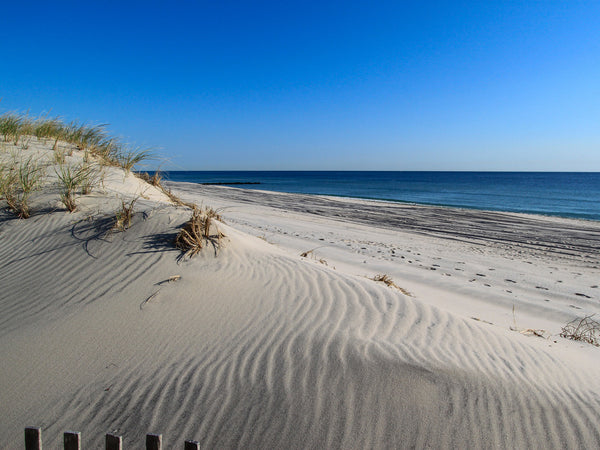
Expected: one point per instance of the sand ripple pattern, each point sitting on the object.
(330, 361)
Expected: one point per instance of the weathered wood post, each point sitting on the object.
(33, 438)
(153, 441)
(72, 440)
(192, 445)
(114, 442)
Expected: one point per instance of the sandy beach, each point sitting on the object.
(258, 346)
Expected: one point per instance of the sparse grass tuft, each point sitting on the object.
(154, 180)
(72, 179)
(8, 181)
(585, 329)
(124, 215)
(384, 278)
(91, 178)
(17, 183)
(196, 232)
(11, 125)
(128, 158)
(310, 253)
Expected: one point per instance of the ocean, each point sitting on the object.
(564, 194)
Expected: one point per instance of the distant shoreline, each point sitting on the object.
(233, 183)
(539, 233)
(567, 195)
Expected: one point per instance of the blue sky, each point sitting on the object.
(481, 85)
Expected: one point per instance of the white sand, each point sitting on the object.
(261, 348)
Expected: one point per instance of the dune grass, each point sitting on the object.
(92, 138)
(17, 182)
(72, 179)
(196, 232)
(129, 157)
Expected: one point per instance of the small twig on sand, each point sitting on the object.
(148, 299)
(171, 279)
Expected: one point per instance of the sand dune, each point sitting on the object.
(260, 348)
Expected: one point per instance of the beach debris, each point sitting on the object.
(171, 279)
(533, 332)
(526, 331)
(481, 320)
(148, 299)
(312, 255)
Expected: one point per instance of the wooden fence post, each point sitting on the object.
(114, 442)
(153, 441)
(33, 438)
(72, 440)
(192, 445)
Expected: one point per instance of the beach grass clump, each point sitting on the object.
(45, 128)
(72, 179)
(124, 215)
(583, 329)
(17, 183)
(12, 126)
(197, 232)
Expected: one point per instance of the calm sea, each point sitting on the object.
(552, 193)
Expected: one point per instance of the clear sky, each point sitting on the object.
(479, 85)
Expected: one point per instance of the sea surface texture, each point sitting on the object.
(565, 194)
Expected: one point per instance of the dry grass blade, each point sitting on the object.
(148, 299)
(384, 278)
(585, 329)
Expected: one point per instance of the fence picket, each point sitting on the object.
(33, 438)
(114, 442)
(72, 440)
